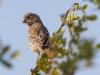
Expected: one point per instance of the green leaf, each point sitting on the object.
(85, 6)
(55, 47)
(60, 30)
(68, 18)
(76, 7)
(62, 17)
(5, 49)
(79, 22)
(86, 48)
(15, 54)
(43, 68)
(64, 30)
(76, 4)
(72, 17)
(98, 46)
(6, 63)
(55, 72)
(83, 29)
(92, 17)
(37, 74)
(76, 18)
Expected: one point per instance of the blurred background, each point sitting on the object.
(13, 34)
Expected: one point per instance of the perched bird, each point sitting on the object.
(38, 34)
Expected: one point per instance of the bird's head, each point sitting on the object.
(31, 18)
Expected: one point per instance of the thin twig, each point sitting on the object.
(73, 37)
(33, 70)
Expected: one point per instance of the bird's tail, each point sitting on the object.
(50, 53)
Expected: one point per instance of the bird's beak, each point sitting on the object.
(24, 21)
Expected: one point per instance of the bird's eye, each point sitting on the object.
(28, 17)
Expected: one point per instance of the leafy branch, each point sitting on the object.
(3, 51)
(78, 48)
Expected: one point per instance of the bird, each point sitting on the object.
(38, 35)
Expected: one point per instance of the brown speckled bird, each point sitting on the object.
(38, 34)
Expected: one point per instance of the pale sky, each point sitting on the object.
(14, 33)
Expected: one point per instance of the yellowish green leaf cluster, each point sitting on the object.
(69, 17)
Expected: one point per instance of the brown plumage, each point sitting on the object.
(38, 34)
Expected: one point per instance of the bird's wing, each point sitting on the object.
(39, 35)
